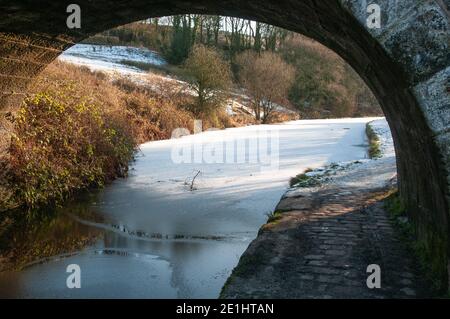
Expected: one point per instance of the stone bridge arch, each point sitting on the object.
(406, 63)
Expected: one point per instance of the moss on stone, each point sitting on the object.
(431, 250)
(248, 264)
(274, 217)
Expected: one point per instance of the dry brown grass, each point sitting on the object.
(278, 117)
(148, 115)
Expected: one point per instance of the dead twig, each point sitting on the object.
(191, 187)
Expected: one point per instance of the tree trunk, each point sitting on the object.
(216, 30)
(156, 21)
(257, 109)
(257, 40)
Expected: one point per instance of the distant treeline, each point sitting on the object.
(324, 86)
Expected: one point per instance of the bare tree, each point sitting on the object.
(267, 78)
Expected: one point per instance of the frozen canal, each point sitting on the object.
(156, 236)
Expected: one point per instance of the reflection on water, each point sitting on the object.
(41, 234)
(115, 262)
(99, 279)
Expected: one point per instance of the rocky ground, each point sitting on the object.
(325, 232)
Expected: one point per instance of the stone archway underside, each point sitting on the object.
(406, 63)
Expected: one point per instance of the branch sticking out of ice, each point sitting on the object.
(192, 181)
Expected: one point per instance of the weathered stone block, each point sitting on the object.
(434, 99)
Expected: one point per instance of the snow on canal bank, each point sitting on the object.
(364, 173)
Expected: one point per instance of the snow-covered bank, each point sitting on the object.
(381, 129)
(364, 173)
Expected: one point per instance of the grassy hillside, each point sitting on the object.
(326, 86)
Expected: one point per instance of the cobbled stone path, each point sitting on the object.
(321, 247)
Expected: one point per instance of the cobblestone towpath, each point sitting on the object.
(322, 240)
